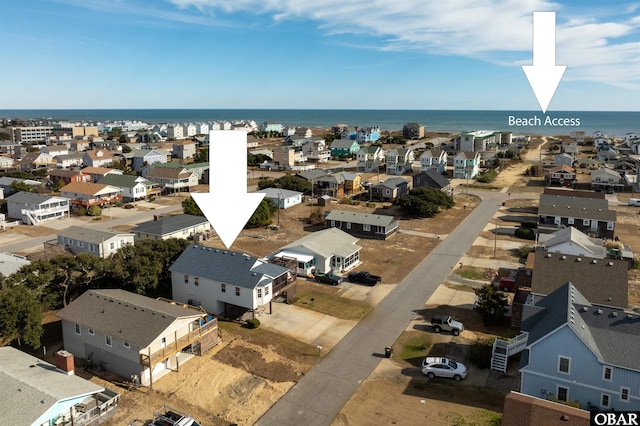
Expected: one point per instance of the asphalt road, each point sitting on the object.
(134, 218)
(320, 395)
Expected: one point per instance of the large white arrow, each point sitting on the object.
(544, 76)
(228, 206)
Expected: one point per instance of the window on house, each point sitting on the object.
(80, 244)
(366, 228)
(126, 345)
(333, 223)
(196, 280)
(570, 220)
(348, 225)
(186, 279)
(92, 248)
(107, 340)
(266, 291)
(259, 292)
(78, 330)
(112, 246)
(624, 394)
(237, 291)
(604, 400)
(223, 287)
(609, 226)
(585, 222)
(91, 331)
(607, 373)
(563, 393)
(563, 364)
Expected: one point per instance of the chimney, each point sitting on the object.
(155, 217)
(64, 362)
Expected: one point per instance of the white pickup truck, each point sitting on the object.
(168, 416)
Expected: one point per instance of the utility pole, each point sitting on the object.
(495, 238)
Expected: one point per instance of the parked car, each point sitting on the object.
(364, 277)
(168, 416)
(327, 277)
(507, 284)
(610, 191)
(443, 367)
(446, 323)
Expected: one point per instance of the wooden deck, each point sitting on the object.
(205, 330)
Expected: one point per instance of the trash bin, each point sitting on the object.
(387, 352)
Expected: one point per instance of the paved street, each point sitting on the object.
(319, 396)
(129, 219)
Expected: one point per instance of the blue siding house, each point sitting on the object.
(578, 351)
(344, 147)
(144, 157)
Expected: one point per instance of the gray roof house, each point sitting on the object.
(227, 282)
(98, 242)
(130, 334)
(589, 215)
(133, 187)
(326, 250)
(283, 198)
(175, 226)
(577, 351)
(390, 189)
(34, 392)
(365, 225)
(433, 179)
(33, 209)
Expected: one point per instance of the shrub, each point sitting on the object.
(94, 211)
(316, 217)
(80, 211)
(524, 251)
(253, 323)
(128, 206)
(529, 224)
(480, 353)
(370, 205)
(349, 201)
(488, 177)
(525, 233)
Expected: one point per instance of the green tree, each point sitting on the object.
(294, 183)
(202, 156)
(262, 215)
(492, 304)
(189, 206)
(425, 202)
(94, 211)
(4, 136)
(267, 183)
(126, 149)
(20, 316)
(21, 186)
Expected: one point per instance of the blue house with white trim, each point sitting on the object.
(579, 351)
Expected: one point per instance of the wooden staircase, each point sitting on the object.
(504, 348)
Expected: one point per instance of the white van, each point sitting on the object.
(634, 201)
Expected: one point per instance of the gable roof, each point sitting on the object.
(66, 173)
(393, 183)
(169, 172)
(592, 246)
(611, 334)
(279, 193)
(128, 316)
(89, 188)
(362, 218)
(99, 154)
(327, 242)
(605, 171)
(435, 177)
(603, 282)
(343, 144)
(30, 157)
(29, 387)
(100, 170)
(312, 174)
(562, 168)
(169, 224)
(575, 206)
(124, 181)
(90, 235)
(31, 198)
(468, 155)
(227, 267)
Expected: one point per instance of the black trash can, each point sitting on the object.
(387, 352)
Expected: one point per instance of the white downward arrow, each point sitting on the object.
(544, 76)
(228, 206)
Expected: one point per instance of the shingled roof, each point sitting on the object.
(128, 316)
(169, 224)
(601, 281)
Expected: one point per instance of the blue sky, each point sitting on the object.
(363, 54)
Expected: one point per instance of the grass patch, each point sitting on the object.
(417, 347)
(483, 418)
(327, 301)
(471, 273)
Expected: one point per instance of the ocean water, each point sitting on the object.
(615, 124)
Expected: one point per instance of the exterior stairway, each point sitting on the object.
(504, 348)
